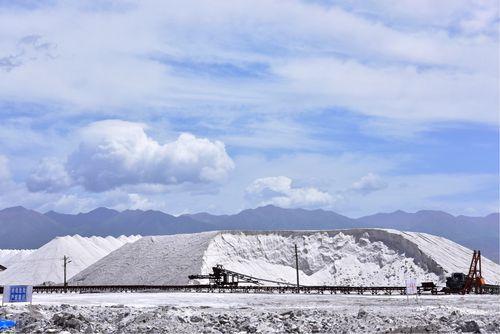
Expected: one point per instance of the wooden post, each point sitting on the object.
(66, 261)
(297, 267)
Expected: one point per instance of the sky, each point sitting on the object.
(217, 106)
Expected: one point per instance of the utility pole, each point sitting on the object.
(297, 267)
(66, 261)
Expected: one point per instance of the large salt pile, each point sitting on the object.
(9, 256)
(46, 263)
(342, 257)
(151, 260)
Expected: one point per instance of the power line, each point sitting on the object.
(37, 260)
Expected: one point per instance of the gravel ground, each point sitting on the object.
(249, 313)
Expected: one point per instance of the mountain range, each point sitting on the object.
(24, 228)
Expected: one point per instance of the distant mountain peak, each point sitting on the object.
(21, 211)
(433, 212)
(102, 209)
(273, 208)
(17, 209)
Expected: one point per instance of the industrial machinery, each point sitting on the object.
(455, 283)
(473, 281)
(428, 287)
(221, 277)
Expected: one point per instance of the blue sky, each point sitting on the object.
(188, 106)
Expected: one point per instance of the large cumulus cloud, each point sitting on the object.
(49, 175)
(114, 153)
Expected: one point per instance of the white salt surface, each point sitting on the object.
(356, 257)
(452, 257)
(9, 256)
(338, 259)
(167, 259)
(46, 263)
(238, 300)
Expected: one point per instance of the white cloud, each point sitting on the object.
(450, 192)
(64, 203)
(4, 169)
(281, 191)
(368, 184)
(484, 19)
(270, 133)
(49, 175)
(466, 16)
(113, 153)
(14, 193)
(422, 13)
(328, 57)
(278, 190)
(402, 64)
(403, 93)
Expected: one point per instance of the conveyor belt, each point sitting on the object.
(375, 290)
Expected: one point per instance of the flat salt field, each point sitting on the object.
(232, 300)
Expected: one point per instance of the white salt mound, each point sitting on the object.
(46, 263)
(151, 260)
(8, 256)
(342, 257)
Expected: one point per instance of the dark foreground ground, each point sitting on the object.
(237, 313)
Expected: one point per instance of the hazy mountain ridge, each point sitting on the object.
(23, 228)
